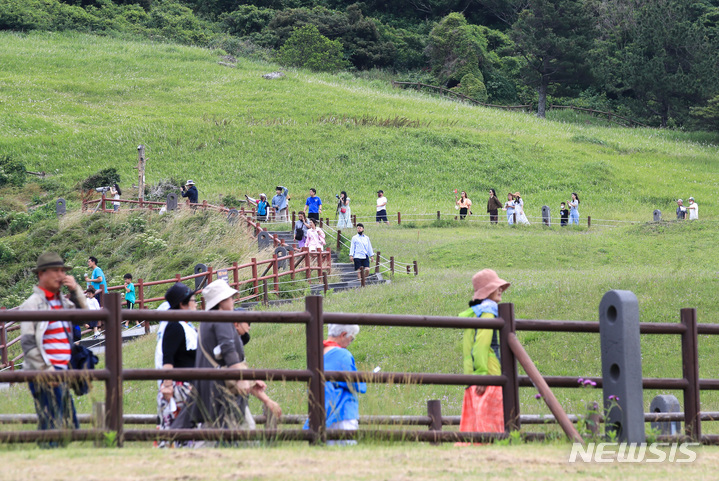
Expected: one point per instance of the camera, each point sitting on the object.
(102, 189)
(337, 196)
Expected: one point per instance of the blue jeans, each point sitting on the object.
(574, 216)
(54, 406)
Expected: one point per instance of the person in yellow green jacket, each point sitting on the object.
(482, 409)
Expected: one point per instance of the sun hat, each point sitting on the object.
(190, 182)
(48, 260)
(216, 292)
(178, 294)
(263, 195)
(516, 194)
(486, 282)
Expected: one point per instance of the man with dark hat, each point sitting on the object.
(47, 345)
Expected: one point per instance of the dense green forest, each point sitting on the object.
(653, 60)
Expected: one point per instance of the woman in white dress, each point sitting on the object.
(519, 209)
(315, 237)
(344, 214)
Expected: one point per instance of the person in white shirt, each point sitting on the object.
(361, 251)
(693, 209)
(381, 208)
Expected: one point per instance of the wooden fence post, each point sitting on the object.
(439, 215)
(265, 298)
(376, 267)
(690, 370)
(3, 341)
(399, 218)
(320, 255)
(363, 277)
(391, 264)
(308, 263)
(292, 264)
(416, 268)
(339, 236)
(315, 364)
(589, 221)
(324, 282)
(255, 284)
(113, 361)
(294, 217)
(276, 273)
(510, 391)
(235, 276)
(434, 411)
(141, 293)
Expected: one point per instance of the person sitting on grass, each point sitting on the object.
(341, 401)
(482, 409)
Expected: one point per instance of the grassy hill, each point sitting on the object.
(74, 104)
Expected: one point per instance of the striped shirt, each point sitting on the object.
(56, 339)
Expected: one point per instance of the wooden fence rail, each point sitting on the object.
(313, 318)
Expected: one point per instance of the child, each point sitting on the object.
(93, 305)
(482, 409)
(129, 295)
(564, 213)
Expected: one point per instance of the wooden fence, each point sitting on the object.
(314, 374)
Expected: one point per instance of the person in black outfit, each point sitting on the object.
(564, 214)
(179, 348)
(190, 191)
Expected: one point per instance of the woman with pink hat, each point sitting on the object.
(482, 409)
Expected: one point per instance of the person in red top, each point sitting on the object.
(48, 344)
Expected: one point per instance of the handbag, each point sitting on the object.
(82, 358)
(230, 384)
(343, 210)
(299, 233)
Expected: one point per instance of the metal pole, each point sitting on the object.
(510, 391)
(315, 364)
(113, 357)
(690, 369)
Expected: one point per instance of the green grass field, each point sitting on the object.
(74, 104)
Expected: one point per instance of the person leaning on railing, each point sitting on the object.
(47, 345)
(482, 409)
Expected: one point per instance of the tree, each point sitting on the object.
(456, 49)
(657, 53)
(553, 36)
(308, 48)
(707, 117)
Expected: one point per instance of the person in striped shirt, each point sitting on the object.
(48, 344)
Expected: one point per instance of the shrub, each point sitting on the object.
(20, 222)
(104, 178)
(474, 88)
(230, 201)
(7, 255)
(11, 171)
(308, 48)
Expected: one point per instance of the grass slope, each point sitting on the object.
(73, 104)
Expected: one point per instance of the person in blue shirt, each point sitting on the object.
(341, 400)
(361, 251)
(97, 278)
(313, 206)
(262, 206)
(279, 203)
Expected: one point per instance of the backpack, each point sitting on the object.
(299, 233)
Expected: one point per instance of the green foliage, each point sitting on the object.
(246, 20)
(308, 48)
(707, 117)
(7, 255)
(103, 178)
(231, 201)
(12, 172)
(455, 49)
(472, 87)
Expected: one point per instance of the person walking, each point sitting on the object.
(344, 214)
(279, 203)
(47, 345)
(381, 215)
(482, 409)
(341, 397)
(176, 349)
(96, 279)
(493, 206)
(681, 210)
(190, 191)
(315, 237)
(361, 251)
(509, 207)
(301, 228)
(574, 209)
(464, 205)
(313, 206)
(693, 209)
(519, 209)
